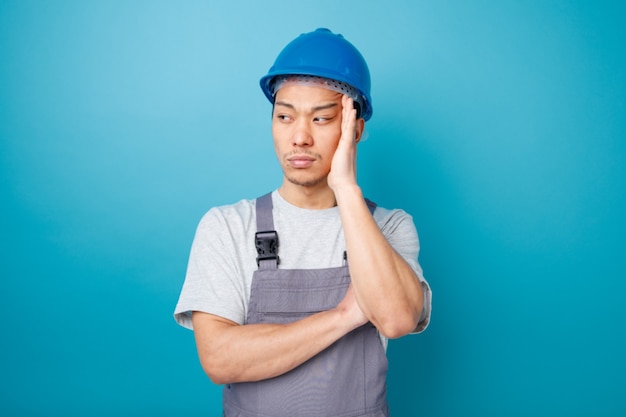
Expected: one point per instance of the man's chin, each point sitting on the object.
(305, 181)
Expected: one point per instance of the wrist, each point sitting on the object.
(348, 318)
(346, 192)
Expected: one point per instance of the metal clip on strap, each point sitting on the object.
(266, 246)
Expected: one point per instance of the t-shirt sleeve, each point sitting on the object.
(398, 227)
(213, 281)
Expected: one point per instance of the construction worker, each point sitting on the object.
(293, 296)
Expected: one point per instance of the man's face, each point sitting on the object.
(306, 125)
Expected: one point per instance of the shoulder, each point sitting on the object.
(242, 210)
(228, 222)
(389, 220)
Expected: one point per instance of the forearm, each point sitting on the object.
(243, 353)
(387, 289)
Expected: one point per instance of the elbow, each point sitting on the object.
(217, 372)
(217, 378)
(398, 325)
(397, 328)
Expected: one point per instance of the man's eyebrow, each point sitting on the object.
(282, 103)
(325, 106)
(314, 109)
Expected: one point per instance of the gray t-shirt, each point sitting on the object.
(223, 254)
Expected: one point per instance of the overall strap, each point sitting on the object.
(266, 238)
(370, 205)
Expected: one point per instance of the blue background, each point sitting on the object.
(499, 125)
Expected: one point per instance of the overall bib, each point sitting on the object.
(347, 379)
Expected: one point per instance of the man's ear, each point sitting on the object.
(360, 128)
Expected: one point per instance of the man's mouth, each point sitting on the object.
(301, 161)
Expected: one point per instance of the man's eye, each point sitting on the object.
(283, 117)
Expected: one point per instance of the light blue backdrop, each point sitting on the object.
(499, 125)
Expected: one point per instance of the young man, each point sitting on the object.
(293, 296)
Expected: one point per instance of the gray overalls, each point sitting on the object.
(347, 379)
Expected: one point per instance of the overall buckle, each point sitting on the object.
(266, 246)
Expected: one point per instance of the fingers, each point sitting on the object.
(343, 165)
(348, 122)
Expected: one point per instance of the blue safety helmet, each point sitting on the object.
(324, 54)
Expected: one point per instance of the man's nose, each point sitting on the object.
(302, 135)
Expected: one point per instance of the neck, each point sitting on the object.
(316, 197)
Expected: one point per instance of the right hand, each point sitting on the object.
(349, 306)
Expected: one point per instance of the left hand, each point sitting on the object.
(343, 166)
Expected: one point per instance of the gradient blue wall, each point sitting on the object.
(499, 125)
